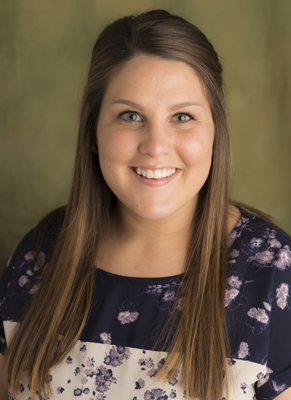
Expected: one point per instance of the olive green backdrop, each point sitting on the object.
(45, 49)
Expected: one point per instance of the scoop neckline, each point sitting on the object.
(108, 276)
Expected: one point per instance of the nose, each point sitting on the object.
(155, 141)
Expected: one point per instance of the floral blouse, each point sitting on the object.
(115, 357)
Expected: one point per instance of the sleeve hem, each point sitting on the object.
(274, 386)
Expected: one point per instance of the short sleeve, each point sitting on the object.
(4, 283)
(278, 377)
(19, 280)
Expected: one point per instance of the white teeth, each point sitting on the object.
(156, 174)
(149, 174)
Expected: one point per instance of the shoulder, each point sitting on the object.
(264, 243)
(259, 263)
(21, 276)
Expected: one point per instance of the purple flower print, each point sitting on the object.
(155, 394)
(90, 362)
(83, 348)
(282, 295)
(23, 280)
(232, 255)
(231, 238)
(154, 289)
(104, 378)
(139, 384)
(230, 294)
(283, 259)
(144, 362)
(235, 294)
(84, 379)
(125, 317)
(35, 287)
(259, 314)
(152, 372)
(173, 394)
(60, 390)
(89, 373)
(263, 378)
(234, 282)
(41, 257)
(243, 386)
(262, 259)
(166, 300)
(77, 392)
(275, 244)
(28, 256)
(105, 338)
(148, 364)
(267, 306)
(69, 360)
(128, 312)
(165, 293)
(243, 222)
(169, 296)
(243, 350)
(257, 319)
(77, 371)
(256, 243)
(277, 387)
(173, 381)
(116, 356)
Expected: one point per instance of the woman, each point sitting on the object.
(125, 289)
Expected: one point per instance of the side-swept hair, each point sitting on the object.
(62, 304)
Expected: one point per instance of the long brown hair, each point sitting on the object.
(62, 304)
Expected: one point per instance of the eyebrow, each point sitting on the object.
(171, 108)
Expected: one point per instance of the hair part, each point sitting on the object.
(62, 304)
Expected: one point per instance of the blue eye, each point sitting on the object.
(182, 117)
(130, 116)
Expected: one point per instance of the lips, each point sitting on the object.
(156, 173)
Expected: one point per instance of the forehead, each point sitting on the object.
(155, 77)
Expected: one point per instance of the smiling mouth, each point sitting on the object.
(156, 174)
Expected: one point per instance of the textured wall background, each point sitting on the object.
(45, 49)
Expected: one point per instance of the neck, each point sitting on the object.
(137, 247)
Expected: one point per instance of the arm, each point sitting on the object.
(3, 387)
(286, 395)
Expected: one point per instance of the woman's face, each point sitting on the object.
(155, 136)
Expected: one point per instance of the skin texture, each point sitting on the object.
(157, 137)
(155, 133)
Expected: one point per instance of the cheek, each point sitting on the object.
(114, 147)
(197, 150)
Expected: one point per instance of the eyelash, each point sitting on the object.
(134, 112)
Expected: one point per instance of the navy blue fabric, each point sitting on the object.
(131, 312)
